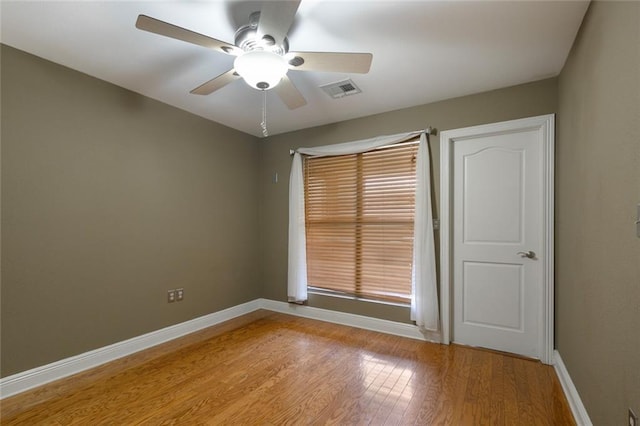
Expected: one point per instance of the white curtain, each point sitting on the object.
(424, 303)
(424, 299)
(297, 277)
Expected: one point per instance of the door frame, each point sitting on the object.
(545, 125)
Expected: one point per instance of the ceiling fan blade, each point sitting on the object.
(276, 18)
(289, 93)
(330, 61)
(216, 83)
(166, 29)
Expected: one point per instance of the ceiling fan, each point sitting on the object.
(262, 52)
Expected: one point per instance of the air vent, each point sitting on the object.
(341, 89)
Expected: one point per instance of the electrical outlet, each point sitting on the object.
(180, 294)
(171, 296)
(633, 419)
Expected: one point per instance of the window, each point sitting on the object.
(359, 214)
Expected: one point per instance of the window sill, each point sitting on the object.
(360, 299)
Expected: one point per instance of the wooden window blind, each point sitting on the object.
(359, 212)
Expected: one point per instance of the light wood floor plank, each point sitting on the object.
(274, 369)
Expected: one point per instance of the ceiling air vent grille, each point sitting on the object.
(341, 89)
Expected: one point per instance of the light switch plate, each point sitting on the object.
(638, 227)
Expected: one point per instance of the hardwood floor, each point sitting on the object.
(271, 369)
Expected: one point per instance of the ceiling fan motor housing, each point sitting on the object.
(248, 39)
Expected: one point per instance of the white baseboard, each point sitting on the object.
(575, 403)
(39, 376)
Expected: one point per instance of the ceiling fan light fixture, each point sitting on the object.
(261, 69)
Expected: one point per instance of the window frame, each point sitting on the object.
(414, 143)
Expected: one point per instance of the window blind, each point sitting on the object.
(359, 212)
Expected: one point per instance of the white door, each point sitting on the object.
(498, 239)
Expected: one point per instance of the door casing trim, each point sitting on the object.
(545, 124)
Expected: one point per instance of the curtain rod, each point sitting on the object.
(429, 131)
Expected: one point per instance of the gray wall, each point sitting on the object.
(598, 187)
(505, 104)
(109, 199)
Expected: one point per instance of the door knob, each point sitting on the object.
(528, 254)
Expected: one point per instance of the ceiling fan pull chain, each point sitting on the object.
(263, 124)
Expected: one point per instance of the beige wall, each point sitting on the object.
(109, 199)
(505, 104)
(598, 187)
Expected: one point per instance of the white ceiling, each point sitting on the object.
(423, 51)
